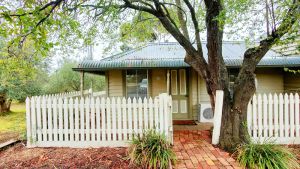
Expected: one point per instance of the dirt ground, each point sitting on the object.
(18, 156)
(6, 136)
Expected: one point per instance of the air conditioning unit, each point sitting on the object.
(205, 113)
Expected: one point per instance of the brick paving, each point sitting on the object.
(194, 150)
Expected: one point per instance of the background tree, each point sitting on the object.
(64, 79)
(20, 75)
(186, 20)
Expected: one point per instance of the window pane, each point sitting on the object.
(142, 82)
(136, 83)
(131, 83)
(131, 76)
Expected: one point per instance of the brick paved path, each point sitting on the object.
(194, 150)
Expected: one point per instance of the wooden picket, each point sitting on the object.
(274, 118)
(55, 121)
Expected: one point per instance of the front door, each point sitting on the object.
(179, 92)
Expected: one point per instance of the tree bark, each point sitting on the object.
(234, 118)
(216, 65)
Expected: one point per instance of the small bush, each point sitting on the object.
(266, 156)
(151, 150)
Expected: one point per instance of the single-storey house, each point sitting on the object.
(160, 68)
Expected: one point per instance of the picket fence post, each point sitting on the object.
(28, 123)
(217, 116)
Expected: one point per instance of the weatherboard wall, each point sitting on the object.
(115, 83)
(291, 82)
(269, 80)
(194, 94)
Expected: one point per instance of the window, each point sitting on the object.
(137, 83)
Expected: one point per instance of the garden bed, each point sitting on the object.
(18, 156)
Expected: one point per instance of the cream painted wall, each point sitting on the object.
(204, 97)
(269, 80)
(291, 82)
(115, 83)
(194, 93)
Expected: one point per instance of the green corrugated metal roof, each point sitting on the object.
(170, 55)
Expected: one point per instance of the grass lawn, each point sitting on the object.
(13, 124)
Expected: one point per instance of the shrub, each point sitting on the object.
(151, 150)
(266, 155)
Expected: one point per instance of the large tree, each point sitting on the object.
(185, 20)
(21, 73)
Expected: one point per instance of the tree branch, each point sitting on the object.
(128, 4)
(182, 21)
(52, 3)
(256, 54)
(145, 3)
(196, 26)
(168, 15)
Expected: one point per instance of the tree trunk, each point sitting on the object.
(234, 118)
(4, 103)
(234, 129)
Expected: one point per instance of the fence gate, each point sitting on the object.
(54, 121)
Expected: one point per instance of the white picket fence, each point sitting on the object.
(274, 118)
(94, 121)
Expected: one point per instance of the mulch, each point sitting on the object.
(18, 156)
(296, 150)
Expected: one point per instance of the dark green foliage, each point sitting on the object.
(151, 150)
(266, 155)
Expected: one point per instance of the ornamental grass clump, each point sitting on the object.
(266, 156)
(151, 150)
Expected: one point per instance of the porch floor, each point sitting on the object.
(198, 126)
(194, 150)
